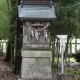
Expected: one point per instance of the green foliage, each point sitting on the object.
(4, 20)
(13, 5)
(74, 71)
(68, 18)
(8, 18)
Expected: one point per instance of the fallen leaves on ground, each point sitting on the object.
(6, 71)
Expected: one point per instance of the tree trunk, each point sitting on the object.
(53, 55)
(18, 57)
(66, 51)
(58, 53)
(8, 54)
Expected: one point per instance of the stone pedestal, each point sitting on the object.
(62, 76)
(36, 65)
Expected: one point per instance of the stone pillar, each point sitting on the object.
(62, 75)
(36, 59)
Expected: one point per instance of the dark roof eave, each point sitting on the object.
(37, 19)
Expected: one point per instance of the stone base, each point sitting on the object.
(62, 76)
(34, 79)
(37, 66)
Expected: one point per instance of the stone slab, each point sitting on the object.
(36, 69)
(62, 76)
(31, 46)
(34, 53)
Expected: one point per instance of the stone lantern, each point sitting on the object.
(36, 53)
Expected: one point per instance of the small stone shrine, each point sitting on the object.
(36, 52)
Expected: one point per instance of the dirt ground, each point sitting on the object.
(5, 71)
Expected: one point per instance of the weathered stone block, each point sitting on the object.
(36, 68)
(36, 65)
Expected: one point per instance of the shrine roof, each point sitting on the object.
(37, 12)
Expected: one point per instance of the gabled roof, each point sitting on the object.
(35, 2)
(36, 12)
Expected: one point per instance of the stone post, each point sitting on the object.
(62, 75)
